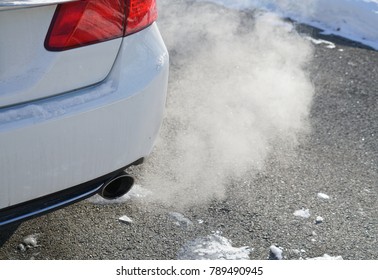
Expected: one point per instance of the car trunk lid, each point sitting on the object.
(28, 71)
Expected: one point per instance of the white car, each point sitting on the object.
(82, 93)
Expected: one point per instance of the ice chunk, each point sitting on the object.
(21, 247)
(304, 213)
(125, 219)
(323, 196)
(30, 240)
(319, 220)
(327, 44)
(275, 253)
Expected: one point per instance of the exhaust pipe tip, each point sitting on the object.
(117, 186)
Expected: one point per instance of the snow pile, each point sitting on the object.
(353, 19)
(212, 247)
(303, 213)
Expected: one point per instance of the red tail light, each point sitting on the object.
(86, 22)
(140, 13)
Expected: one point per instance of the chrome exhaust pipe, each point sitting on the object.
(117, 186)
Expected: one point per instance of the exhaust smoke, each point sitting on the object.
(238, 91)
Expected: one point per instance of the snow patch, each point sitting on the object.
(327, 257)
(353, 19)
(327, 44)
(180, 219)
(213, 247)
(303, 213)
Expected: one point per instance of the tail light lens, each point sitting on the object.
(86, 22)
(140, 13)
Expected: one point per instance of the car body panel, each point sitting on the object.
(13, 4)
(29, 72)
(54, 143)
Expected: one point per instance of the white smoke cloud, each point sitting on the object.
(238, 90)
(305, 8)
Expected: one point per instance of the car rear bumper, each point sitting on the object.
(57, 200)
(50, 145)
